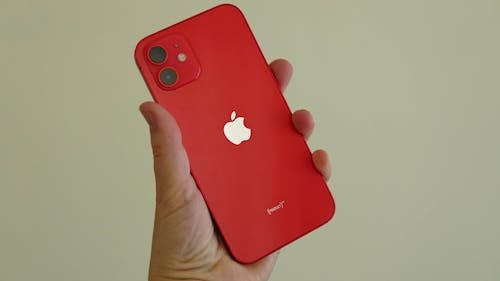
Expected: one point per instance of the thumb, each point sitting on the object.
(171, 165)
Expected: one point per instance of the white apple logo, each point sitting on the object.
(235, 131)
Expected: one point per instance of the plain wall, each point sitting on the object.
(406, 95)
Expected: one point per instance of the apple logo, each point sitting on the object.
(235, 131)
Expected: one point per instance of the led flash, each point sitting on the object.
(181, 57)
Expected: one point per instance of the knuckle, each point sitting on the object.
(158, 150)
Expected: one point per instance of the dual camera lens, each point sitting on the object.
(158, 55)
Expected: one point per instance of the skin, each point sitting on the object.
(186, 245)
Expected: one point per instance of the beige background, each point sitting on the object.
(406, 97)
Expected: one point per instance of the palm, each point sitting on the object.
(183, 226)
(185, 244)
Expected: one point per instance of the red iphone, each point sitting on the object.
(254, 170)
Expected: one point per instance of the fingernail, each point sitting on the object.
(148, 116)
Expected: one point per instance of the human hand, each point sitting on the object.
(185, 244)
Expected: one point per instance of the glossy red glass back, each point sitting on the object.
(265, 192)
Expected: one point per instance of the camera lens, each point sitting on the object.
(157, 54)
(168, 76)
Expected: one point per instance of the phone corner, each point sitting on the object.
(247, 259)
(330, 210)
(139, 50)
(230, 8)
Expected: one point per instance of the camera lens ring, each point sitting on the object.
(168, 77)
(157, 55)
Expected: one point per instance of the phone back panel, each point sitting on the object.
(265, 192)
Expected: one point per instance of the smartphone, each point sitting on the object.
(254, 170)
